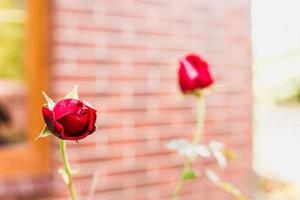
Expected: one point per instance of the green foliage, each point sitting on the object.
(289, 92)
(12, 3)
(12, 39)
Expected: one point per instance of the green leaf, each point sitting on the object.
(189, 175)
(50, 102)
(64, 175)
(45, 132)
(73, 94)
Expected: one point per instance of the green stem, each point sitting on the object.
(67, 169)
(196, 140)
(200, 120)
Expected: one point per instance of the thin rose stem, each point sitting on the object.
(196, 140)
(200, 120)
(67, 169)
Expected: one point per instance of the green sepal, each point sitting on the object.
(50, 102)
(45, 133)
(199, 93)
(73, 94)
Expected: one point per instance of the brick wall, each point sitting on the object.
(123, 54)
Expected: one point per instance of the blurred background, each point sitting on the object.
(123, 55)
(13, 90)
(276, 90)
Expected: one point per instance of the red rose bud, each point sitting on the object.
(193, 74)
(70, 119)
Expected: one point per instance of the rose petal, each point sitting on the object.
(55, 127)
(48, 117)
(78, 137)
(58, 129)
(74, 124)
(66, 106)
(92, 120)
(196, 61)
(185, 81)
(190, 69)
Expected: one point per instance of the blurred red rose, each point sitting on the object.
(70, 119)
(194, 74)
